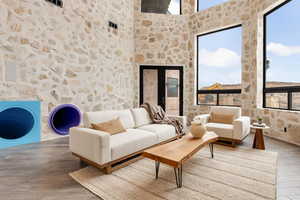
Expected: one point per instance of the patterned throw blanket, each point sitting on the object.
(158, 116)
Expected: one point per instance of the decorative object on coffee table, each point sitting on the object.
(177, 152)
(198, 129)
(258, 142)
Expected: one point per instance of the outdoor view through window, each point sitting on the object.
(219, 67)
(204, 4)
(161, 6)
(282, 64)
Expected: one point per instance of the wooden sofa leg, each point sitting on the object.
(108, 170)
(233, 143)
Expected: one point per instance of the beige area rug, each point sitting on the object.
(234, 173)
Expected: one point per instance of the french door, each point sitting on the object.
(162, 85)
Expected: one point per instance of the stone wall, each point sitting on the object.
(68, 55)
(162, 40)
(250, 15)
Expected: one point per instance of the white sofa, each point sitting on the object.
(104, 150)
(235, 132)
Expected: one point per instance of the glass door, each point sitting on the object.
(150, 83)
(172, 87)
(162, 85)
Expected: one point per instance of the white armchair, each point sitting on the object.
(234, 132)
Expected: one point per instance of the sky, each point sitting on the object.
(283, 43)
(204, 4)
(174, 7)
(220, 57)
(220, 53)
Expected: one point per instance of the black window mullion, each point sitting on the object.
(264, 98)
(290, 100)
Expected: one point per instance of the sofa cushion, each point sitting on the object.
(141, 117)
(163, 131)
(227, 110)
(221, 118)
(131, 141)
(222, 130)
(113, 126)
(102, 116)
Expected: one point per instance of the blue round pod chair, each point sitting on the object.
(19, 123)
(15, 123)
(64, 117)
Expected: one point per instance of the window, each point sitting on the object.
(282, 57)
(172, 87)
(204, 4)
(220, 67)
(172, 7)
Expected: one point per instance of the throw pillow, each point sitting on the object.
(113, 126)
(221, 118)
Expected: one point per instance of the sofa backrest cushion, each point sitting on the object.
(103, 116)
(227, 110)
(221, 118)
(141, 117)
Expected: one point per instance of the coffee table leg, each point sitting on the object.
(178, 176)
(157, 163)
(211, 147)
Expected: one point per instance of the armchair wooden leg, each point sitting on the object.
(108, 170)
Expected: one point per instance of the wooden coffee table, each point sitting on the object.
(179, 151)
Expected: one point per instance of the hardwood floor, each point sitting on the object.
(288, 187)
(40, 171)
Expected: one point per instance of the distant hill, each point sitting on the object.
(219, 86)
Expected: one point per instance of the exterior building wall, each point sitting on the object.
(68, 55)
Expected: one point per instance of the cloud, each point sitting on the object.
(174, 7)
(282, 50)
(222, 57)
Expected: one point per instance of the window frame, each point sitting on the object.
(217, 92)
(180, 10)
(289, 90)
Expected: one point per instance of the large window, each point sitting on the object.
(204, 4)
(282, 57)
(172, 7)
(219, 67)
